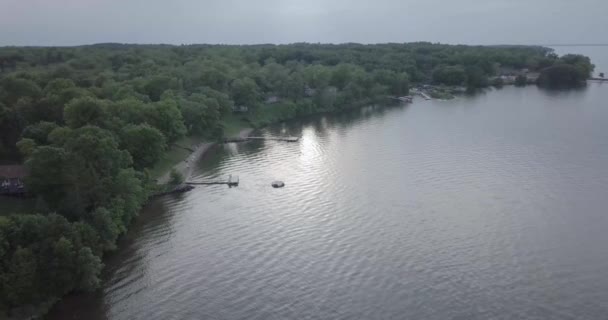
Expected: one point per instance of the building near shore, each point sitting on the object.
(12, 179)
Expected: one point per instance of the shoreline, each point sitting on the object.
(186, 166)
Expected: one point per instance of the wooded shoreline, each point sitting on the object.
(91, 122)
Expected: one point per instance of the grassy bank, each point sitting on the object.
(182, 149)
(174, 155)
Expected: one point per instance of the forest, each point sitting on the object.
(90, 122)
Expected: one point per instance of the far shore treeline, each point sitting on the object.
(89, 122)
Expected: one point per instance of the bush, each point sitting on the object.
(176, 178)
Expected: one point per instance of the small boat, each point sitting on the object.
(278, 184)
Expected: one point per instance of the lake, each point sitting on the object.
(492, 206)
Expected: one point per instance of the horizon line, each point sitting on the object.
(305, 42)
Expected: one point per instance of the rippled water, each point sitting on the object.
(486, 207)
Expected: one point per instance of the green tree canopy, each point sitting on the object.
(145, 144)
(245, 91)
(562, 75)
(85, 111)
(166, 117)
(449, 75)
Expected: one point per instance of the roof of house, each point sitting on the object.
(13, 171)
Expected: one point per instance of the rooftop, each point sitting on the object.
(13, 171)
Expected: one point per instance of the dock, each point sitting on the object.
(231, 181)
(285, 139)
(424, 95)
(406, 99)
(599, 79)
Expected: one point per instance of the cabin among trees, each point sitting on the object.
(11, 180)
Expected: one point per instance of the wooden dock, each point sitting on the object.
(285, 139)
(231, 181)
(406, 99)
(424, 95)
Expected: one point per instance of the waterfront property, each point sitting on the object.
(272, 99)
(11, 179)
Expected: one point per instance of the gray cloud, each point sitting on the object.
(71, 22)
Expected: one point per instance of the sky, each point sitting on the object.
(77, 22)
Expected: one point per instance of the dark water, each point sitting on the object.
(487, 207)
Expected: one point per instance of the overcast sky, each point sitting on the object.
(74, 22)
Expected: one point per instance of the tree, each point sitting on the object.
(88, 269)
(166, 117)
(107, 229)
(20, 280)
(176, 178)
(245, 92)
(155, 87)
(145, 144)
(581, 63)
(44, 257)
(342, 75)
(85, 111)
(76, 176)
(449, 75)
(602, 75)
(39, 132)
(62, 265)
(273, 77)
(294, 87)
(94, 160)
(476, 77)
(58, 85)
(225, 104)
(26, 147)
(561, 75)
(128, 111)
(47, 178)
(13, 88)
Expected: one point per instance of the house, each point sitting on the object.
(309, 92)
(272, 99)
(11, 179)
(508, 79)
(532, 77)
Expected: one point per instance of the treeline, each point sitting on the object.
(89, 121)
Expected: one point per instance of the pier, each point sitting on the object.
(231, 181)
(244, 139)
(599, 79)
(406, 99)
(424, 95)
